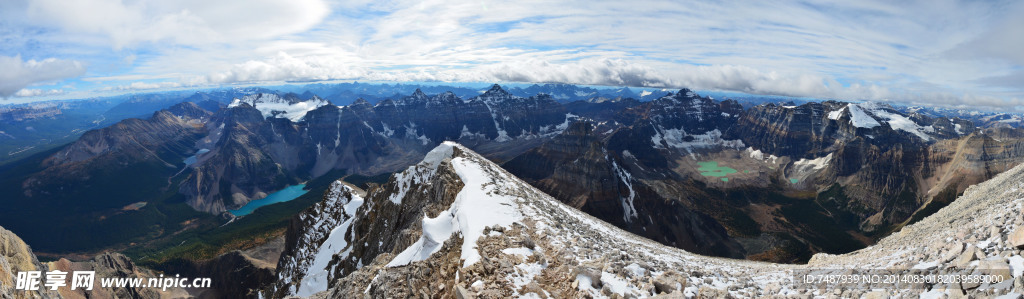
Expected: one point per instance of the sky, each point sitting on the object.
(938, 52)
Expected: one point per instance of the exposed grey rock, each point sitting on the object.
(462, 293)
(1017, 238)
(997, 267)
(965, 258)
(669, 282)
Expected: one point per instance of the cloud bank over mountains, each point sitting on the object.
(939, 52)
(17, 74)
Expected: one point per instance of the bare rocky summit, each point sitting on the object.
(482, 233)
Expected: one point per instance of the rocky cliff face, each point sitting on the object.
(238, 169)
(16, 256)
(339, 235)
(157, 143)
(113, 265)
(235, 274)
(800, 131)
(576, 168)
(868, 167)
(499, 237)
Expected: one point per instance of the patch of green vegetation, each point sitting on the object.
(205, 243)
(740, 224)
(821, 227)
(791, 250)
(86, 214)
(725, 179)
(844, 210)
(263, 224)
(363, 182)
(711, 168)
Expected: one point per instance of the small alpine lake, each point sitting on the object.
(711, 168)
(283, 195)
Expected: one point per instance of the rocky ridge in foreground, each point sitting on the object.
(525, 243)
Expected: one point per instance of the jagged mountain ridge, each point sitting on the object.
(249, 151)
(868, 179)
(656, 143)
(551, 249)
(576, 168)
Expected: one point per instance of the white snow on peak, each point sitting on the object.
(675, 138)
(272, 105)
(546, 130)
(316, 276)
(421, 172)
(835, 115)
(645, 93)
(816, 164)
(896, 121)
(861, 119)
(477, 206)
(757, 154)
(467, 134)
(439, 153)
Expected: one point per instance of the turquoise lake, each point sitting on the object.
(286, 194)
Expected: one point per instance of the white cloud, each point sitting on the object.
(142, 86)
(929, 51)
(284, 67)
(28, 92)
(189, 22)
(602, 71)
(753, 81)
(16, 74)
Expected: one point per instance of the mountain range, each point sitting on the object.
(471, 187)
(769, 182)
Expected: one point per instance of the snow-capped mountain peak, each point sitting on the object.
(273, 105)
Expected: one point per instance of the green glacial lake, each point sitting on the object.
(794, 181)
(711, 168)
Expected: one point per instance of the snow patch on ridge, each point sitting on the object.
(835, 115)
(628, 208)
(896, 121)
(757, 154)
(676, 138)
(420, 173)
(272, 105)
(861, 119)
(816, 164)
(477, 206)
(316, 276)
